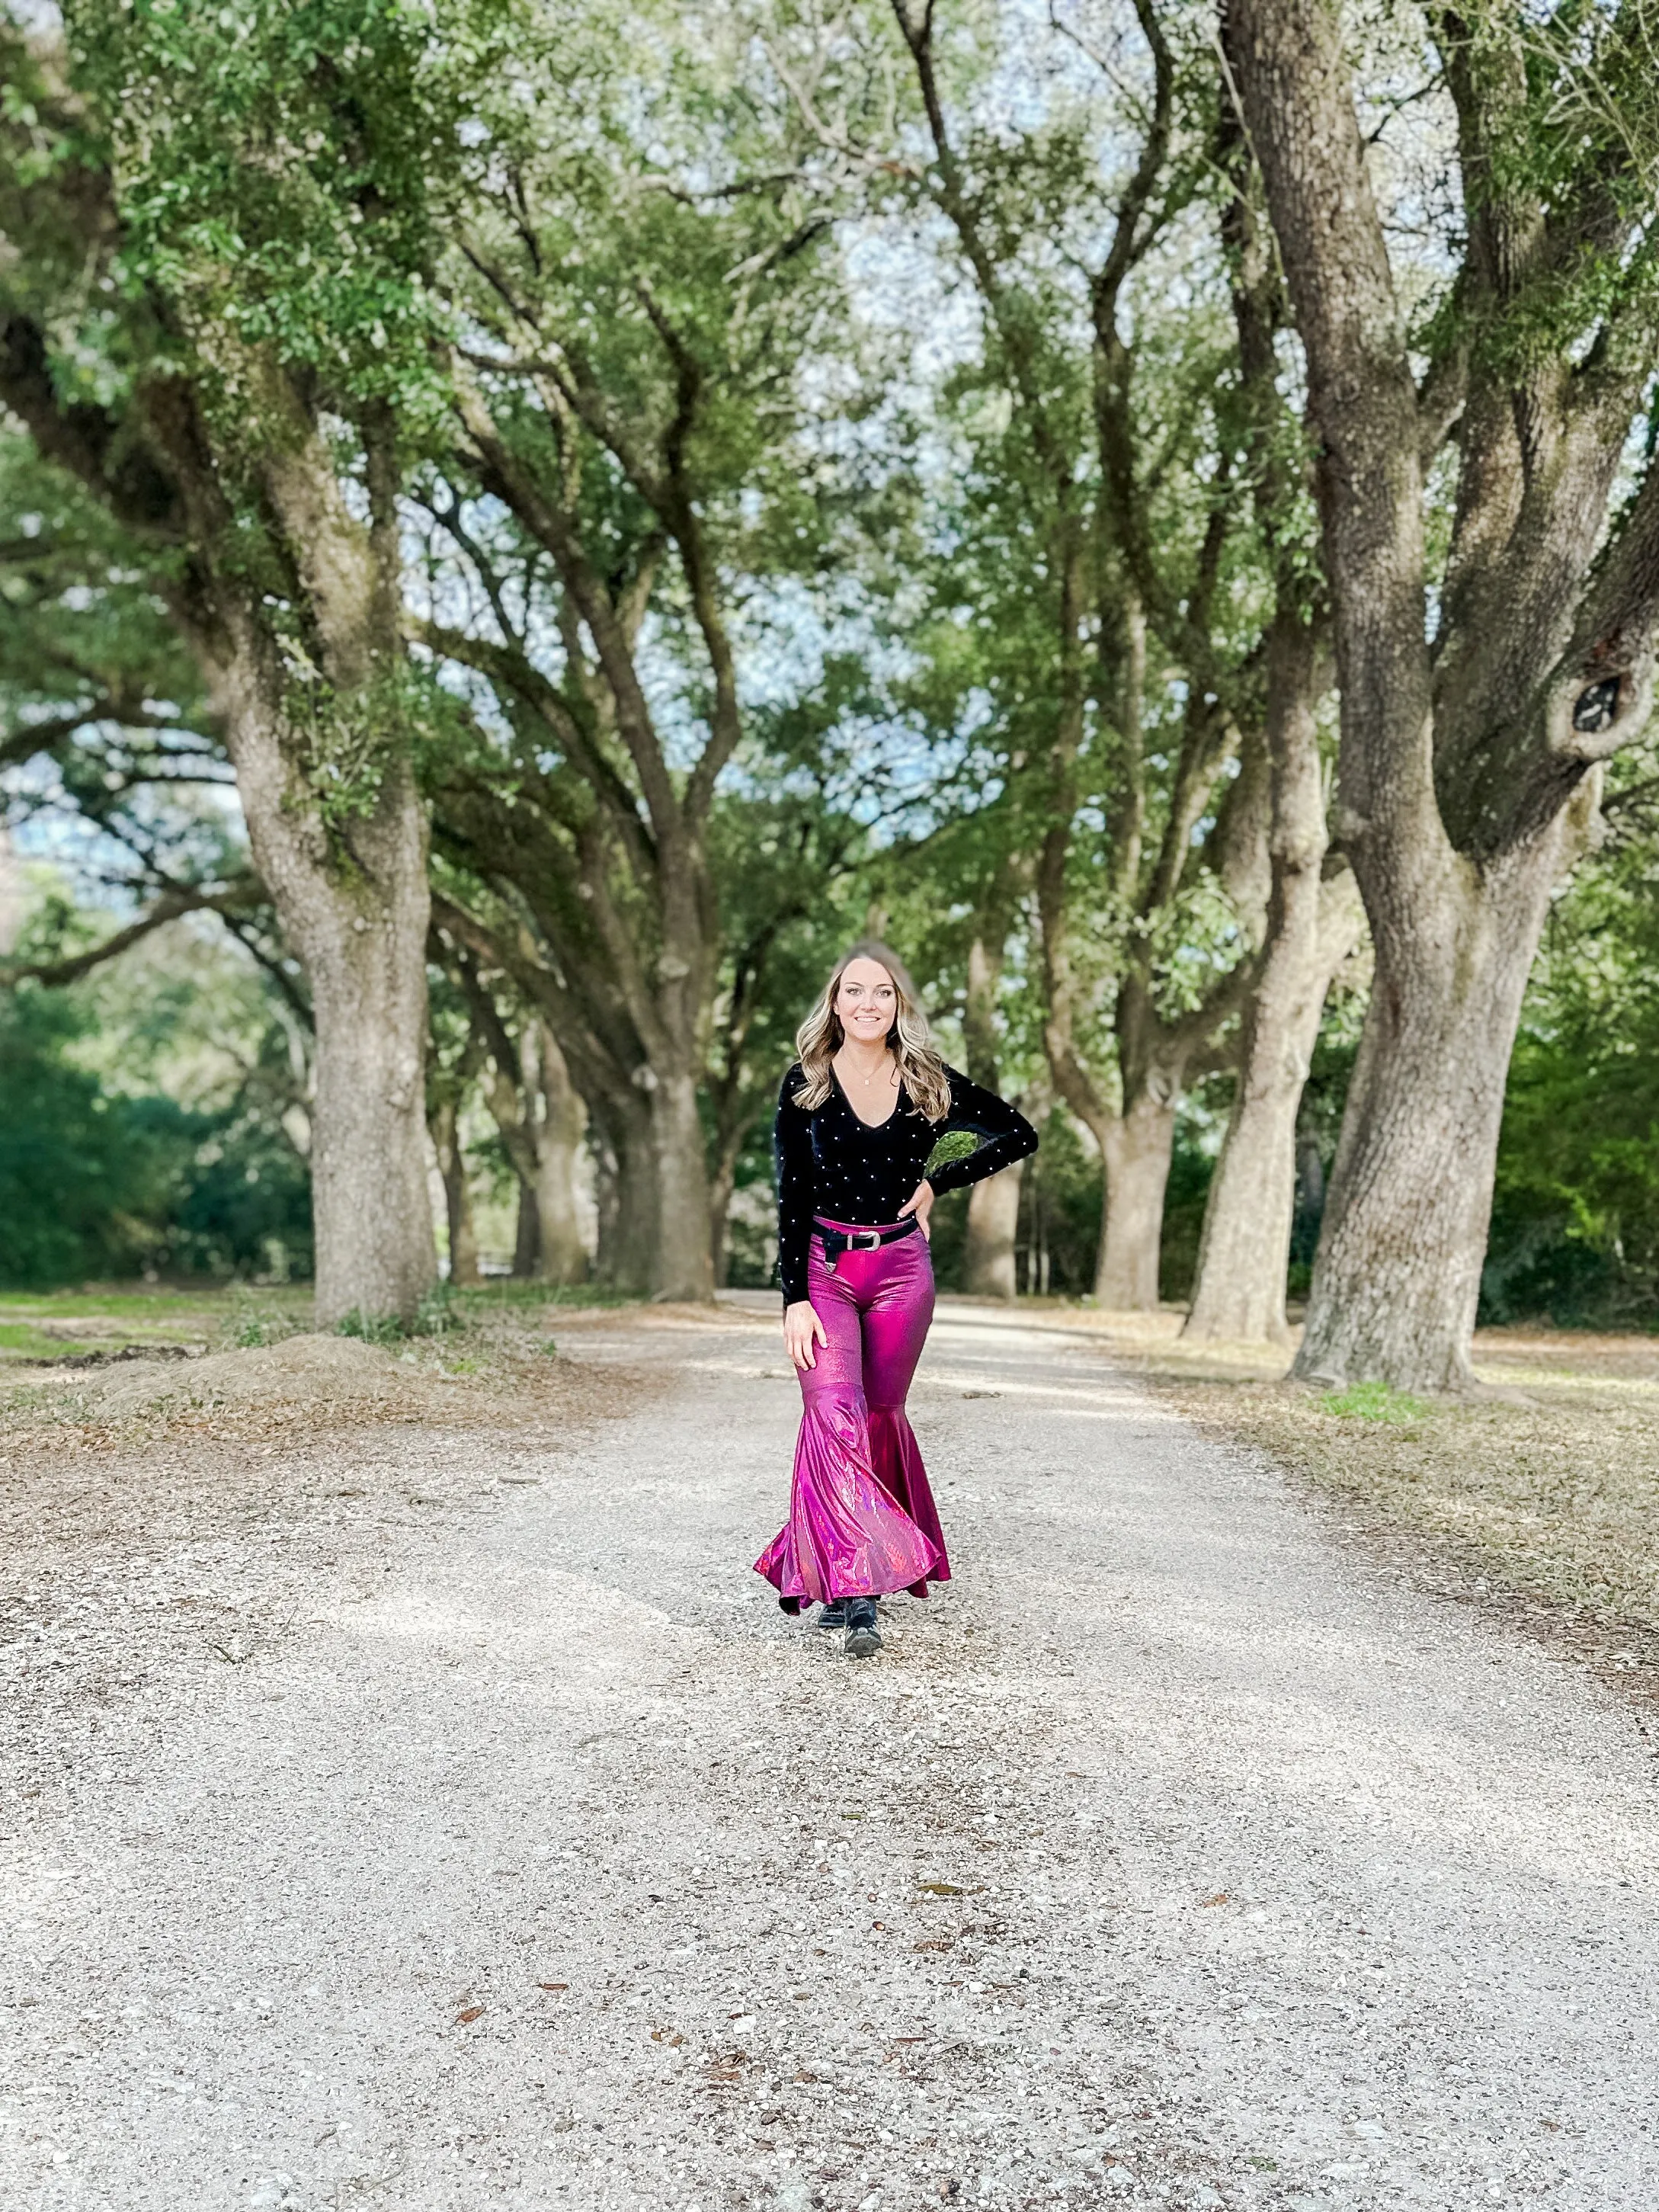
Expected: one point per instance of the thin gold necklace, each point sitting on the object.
(872, 1076)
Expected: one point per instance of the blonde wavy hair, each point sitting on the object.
(820, 1037)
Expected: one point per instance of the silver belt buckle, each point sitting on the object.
(874, 1243)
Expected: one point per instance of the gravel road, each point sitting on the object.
(490, 1839)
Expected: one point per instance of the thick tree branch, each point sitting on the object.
(1014, 330)
(169, 907)
(1299, 110)
(555, 529)
(85, 440)
(512, 671)
(1113, 361)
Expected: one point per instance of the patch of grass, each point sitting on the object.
(24, 1341)
(504, 1296)
(439, 1313)
(259, 1317)
(154, 1306)
(43, 1404)
(1374, 1402)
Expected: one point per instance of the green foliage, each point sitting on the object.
(440, 1313)
(1374, 1401)
(141, 1117)
(672, 288)
(347, 740)
(1192, 1167)
(93, 1182)
(277, 167)
(1059, 1208)
(81, 1184)
(1575, 1232)
(373, 1328)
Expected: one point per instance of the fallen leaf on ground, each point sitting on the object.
(1220, 1898)
(472, 2013)
(552, 1985)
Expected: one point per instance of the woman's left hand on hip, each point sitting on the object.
(920, 1203)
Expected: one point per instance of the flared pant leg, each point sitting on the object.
(895, 1322)
(862, 1520)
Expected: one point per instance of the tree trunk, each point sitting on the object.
(340, 835)
(1309, 1210)
(1468, 767)
(562, 1257)
(721, 1185)
(527, 1234)
(1136, 1150)
(988, 1268)
(457, 1196)
(685, 1268)
(355, 906)
(1239, 1294)
(1243, 1256)
(1397, 1275)
(627, 1193)
(992, 1205)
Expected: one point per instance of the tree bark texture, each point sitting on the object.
(1312, 923)
(627, 1256)
(562, 1256)
(1137, 1149)
(1396, 1278)
(684, 1261)
(362, 943)
(444, 1124)
(351, 894)
(539, 1116)
(987, 1266)
(1238, 1295)
(1460, 758)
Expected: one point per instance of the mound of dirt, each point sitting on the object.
(317, 1371)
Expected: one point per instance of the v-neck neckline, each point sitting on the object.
(898, 1098)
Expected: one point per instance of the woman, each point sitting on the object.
(859, 1114)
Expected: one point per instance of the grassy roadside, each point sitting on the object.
(111, 1368)
(1540, 1498)
(41, 1327)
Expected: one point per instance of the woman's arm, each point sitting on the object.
(792, 1159)
(1007, 1135)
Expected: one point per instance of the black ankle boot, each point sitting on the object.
(863, 1637)
(833, 1615)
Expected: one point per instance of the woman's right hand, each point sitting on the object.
(801, 1325)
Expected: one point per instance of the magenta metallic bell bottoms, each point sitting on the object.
(862, 1520)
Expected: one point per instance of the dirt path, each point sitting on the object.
(502, 1845)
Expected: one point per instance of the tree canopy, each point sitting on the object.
(539, 525)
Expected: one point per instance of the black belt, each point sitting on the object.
(838, 1241)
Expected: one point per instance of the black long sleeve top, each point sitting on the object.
(831, 1164)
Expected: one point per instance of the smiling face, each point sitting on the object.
(867, 1002)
